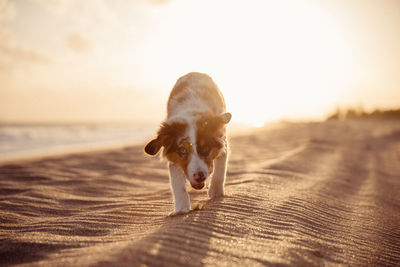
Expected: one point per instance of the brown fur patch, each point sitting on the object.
(169, 135)
(210, 125)
(209, 136)
(177, 158)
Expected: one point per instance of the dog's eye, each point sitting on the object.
(182, 152)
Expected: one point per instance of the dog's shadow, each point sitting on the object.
(183, 240)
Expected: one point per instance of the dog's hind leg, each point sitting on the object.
(218, 177)
(178, 186)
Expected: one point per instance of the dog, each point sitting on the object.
(193, 138)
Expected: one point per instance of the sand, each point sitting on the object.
(300, 194)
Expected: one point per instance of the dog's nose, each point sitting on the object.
(199, 177)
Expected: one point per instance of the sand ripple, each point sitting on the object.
(303, 194)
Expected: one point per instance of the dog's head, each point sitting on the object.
(192, 145)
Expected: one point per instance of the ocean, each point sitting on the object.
(19, 141)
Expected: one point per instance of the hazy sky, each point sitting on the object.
(102, 60)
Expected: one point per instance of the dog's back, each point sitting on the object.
(195, 92)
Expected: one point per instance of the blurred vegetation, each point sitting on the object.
(359, 113)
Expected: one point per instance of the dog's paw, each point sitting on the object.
(178, 212)
(215, 191)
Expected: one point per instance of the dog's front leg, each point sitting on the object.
(178, 186)
(218, 177)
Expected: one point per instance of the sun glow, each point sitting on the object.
(270, 58)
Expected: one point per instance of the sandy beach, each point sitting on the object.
(299, 194)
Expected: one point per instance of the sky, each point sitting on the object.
(116, 60)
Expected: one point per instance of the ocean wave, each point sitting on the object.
(27, 140)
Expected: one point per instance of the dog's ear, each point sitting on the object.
(156, 144)
(167, 134)
(153, 146)
(225, 117)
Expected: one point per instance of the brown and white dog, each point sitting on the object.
(193, 138)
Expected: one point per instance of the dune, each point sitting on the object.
(300, 194)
